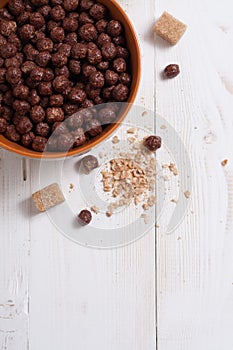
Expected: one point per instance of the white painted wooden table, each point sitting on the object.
(58, 295)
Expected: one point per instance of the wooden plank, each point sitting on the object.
(85, 298)
(14, 253)
(195, 272)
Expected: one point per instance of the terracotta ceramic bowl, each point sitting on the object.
(132, 43)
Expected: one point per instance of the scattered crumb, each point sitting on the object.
(109, 214)
(164, 166)
(145, 217)
(187, 194)
(115, 139)
(157, 225)
(173, 169)
(224, 162)
(101, 155)
(163, 127)
(144, 113)
(95, 209)
(166, 178)
(131, 131)
(131, 139)
(179, 238)
(174, 200)
(71, 186)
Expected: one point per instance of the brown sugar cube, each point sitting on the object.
(169, 28)
(48, 197)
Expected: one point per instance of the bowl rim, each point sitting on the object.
(28, 153)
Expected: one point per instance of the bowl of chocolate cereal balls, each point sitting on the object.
(67, 67)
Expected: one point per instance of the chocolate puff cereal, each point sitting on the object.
(58, 59)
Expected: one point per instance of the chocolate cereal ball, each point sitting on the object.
(87, 70)
(86, 4)
(56, 100)
(30, 52)
(57, 34)
(23, 18)
(14, 39)
(45, 10)
(42, 129)
(125, 79)
(98, 11)
(21, 92)
(62, 71)
(39, 143)
(75, 121)
(15, 7)
(94, 56)
(111, 77)
(27, 139)
(21, 107)
(3, 125)
(77, 95)
(103, 39)
(59, 59)
(48, 74)
(37, 114)
(57, 13)
(109, 51)
(24, 125)
(1, 62)
(27, 67)
(45, 88)
(93, 127)
(5, 14)
(92, 92)
(33, 97)
(75, 66)
(27, 32)
(122, 52)
(79, 51)
(65, 142)
(45, 44)
(119, 40)
(65, 49)
(101, 25)
(70, 24)
(119, 65)
(103, 66)
(44, 101)
(70, 109)
(84, 18)
(71, 39)
(36, 74)
(2, 75)
(60, 128)
(88, 32)
(120, 93)
(12, 134)
(8, 50)
(70, 5)
(60, 84)
(114, 28)
(43, 58)
(12, 62)
(107, 115)
(97, 80)
(7, 27)
(8, 98)
(37, 20)
(54, 114)
(79, 137)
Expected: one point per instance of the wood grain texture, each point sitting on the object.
(85, 298)
(195, 272)
(14, 254)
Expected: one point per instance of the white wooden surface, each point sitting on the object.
(57, 295)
